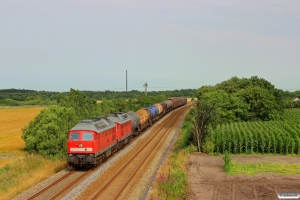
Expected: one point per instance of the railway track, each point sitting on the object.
(119, 184)
(58, 187)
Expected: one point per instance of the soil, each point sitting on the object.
(208, 181)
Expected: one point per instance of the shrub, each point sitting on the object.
(47, 133)
(227, 162)
(208, 147)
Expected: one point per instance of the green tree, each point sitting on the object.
(47, 133)
(205, 114)
(84, 106)
(244, 99)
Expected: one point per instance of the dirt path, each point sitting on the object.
(209, 182)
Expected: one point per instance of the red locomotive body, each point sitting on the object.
(123, 128)
(91, 141)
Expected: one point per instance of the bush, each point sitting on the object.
(47, 133)
(208, 147)
(227, 162)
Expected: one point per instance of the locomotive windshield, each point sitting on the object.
(87, 136)
(74, 136)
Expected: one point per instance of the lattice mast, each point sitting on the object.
(146, 85)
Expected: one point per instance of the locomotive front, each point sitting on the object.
(85, 142)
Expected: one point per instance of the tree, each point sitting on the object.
(47, 133)
(84, 106)
(244, 99)
(205, 114)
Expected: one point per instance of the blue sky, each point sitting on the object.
(88, 45)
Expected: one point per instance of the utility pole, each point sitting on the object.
(146, 85)
(126, 81)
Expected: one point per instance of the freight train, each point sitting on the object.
(92, 141)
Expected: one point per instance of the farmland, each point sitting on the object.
(12, 120)
(272, 137)
(15, 164)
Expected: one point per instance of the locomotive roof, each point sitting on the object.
(95, 124)
(119, 117)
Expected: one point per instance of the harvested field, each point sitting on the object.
(12, 120)
(209, 181)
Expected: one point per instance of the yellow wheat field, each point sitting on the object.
(12, 120)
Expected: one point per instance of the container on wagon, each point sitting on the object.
(153, 110)
(159, 107)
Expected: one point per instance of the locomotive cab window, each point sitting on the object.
(87, 136)
(74, 136)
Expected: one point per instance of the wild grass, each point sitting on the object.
(22, 172)
(171, 179)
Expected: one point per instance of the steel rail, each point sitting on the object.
(51, 185)
(71, 184)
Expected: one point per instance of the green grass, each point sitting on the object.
(253, 169)
(171, 181)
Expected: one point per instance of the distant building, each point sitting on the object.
(296, 99)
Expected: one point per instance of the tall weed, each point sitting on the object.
(227, 162)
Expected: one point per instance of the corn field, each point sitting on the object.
(272, 137)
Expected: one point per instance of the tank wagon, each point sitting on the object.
(92, 141)
(135, 119)
(160, 109)
(169, 104)
(154, 113)
(164, 106)
(145, 118)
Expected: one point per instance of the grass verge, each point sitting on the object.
(171, 179)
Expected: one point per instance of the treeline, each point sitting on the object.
(19, 97)
(47, 133)
(244, 99)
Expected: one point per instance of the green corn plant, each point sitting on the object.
(292, 147)
(286, 144)
(246, 139)
(274, 143)
(298, 145)
(268, 142)
(240, 142)
(255, 141)
(262, 143)
(280, 143)
(235, 143)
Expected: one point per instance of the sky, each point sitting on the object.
(55, 45)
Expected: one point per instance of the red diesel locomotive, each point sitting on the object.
(93, 140)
